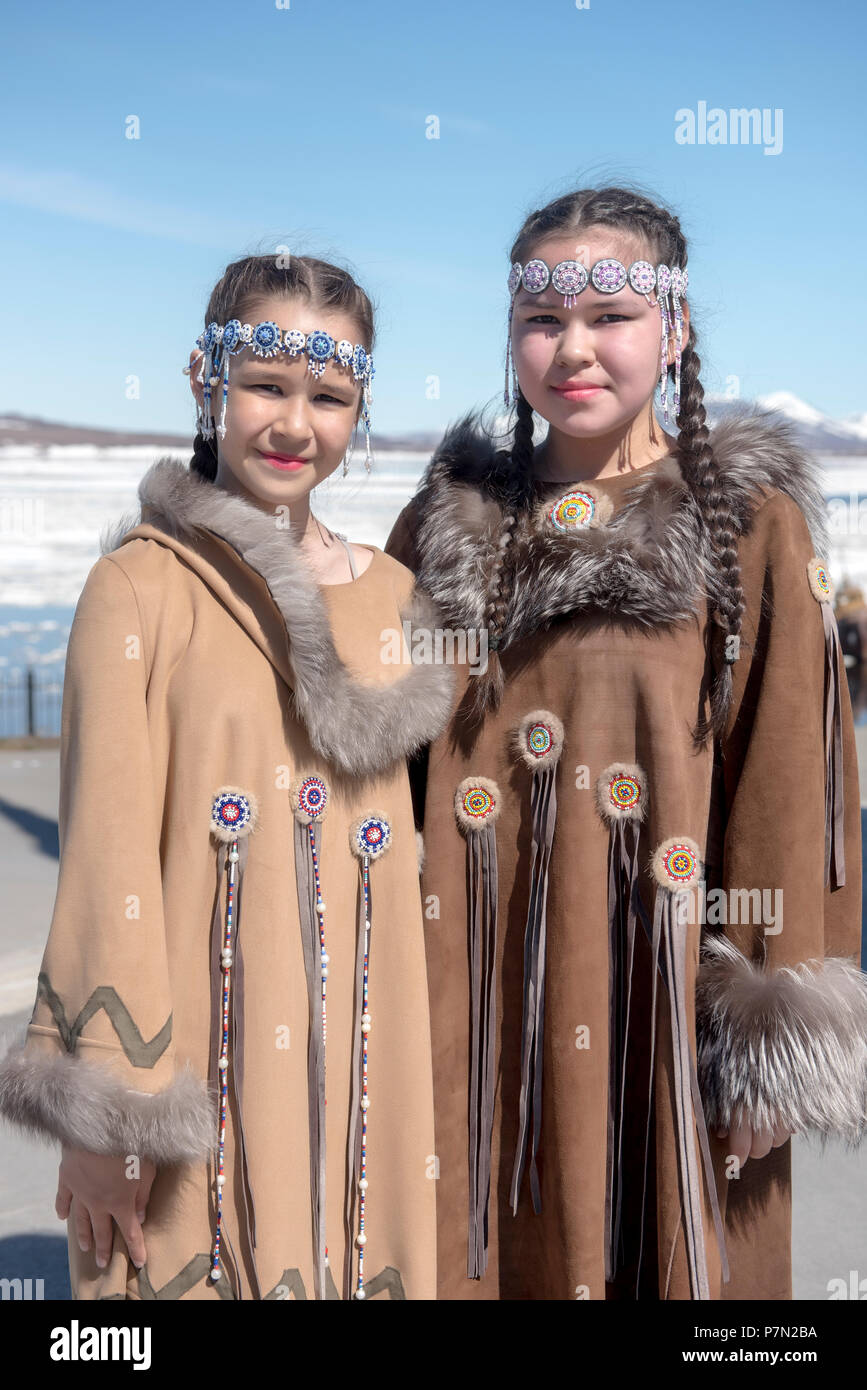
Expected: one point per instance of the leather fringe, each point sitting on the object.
(482, 897)
(834, 794)
(305, 883)
(543, 818)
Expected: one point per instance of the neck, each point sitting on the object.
(563, 458)
(303, 526)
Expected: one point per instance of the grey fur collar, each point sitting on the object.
(649, 564)
(361, 729)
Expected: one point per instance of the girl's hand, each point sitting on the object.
(746, 1142)
(97, 1189)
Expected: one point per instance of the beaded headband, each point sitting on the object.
(220, 343)
(608, 276)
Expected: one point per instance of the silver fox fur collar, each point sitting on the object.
(361, 729)
(646, 565)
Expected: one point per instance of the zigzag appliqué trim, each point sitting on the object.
(289, 1284)
(139, 1052)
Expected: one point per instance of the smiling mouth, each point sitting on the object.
(284, 460)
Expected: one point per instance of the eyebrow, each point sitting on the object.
(594, 301)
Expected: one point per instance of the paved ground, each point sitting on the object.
(830, 1189)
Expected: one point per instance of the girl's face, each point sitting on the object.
(277, 408)
(608, 341)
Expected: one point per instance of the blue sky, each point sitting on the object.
(305, 126)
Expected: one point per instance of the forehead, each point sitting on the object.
(295, 311)
(590, 246)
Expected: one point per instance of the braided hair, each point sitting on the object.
(632, 213)
(252, 278)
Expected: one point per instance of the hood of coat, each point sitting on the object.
(360, 729)
(651, 563)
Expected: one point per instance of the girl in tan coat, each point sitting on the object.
(236, 938)
(658, 759)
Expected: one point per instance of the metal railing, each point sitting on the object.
(31, 702)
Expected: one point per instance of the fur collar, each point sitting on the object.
(642, 566)
(362, 729)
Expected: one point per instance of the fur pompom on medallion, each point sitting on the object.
(538, 739)
(477, 803)
(308, 797)
(621, 792)
(584, 505)
(676, 863)
(821, 586)
(234, 813)
(370, 835)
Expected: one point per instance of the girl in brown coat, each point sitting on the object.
(658, 760)
(238, 896)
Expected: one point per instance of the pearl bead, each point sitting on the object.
(325, 958)
(359, 1293)
(325, 972)
(215, 1273)
(234, 856)
(226, 957)
(361, 1239)
(223, 1063)
(362, 1184)
(365, 1102)
(365, 1018)
(221, 1178)
(365, 1027)
(320, 908)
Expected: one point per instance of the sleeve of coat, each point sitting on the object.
(781, 1000)
(95, 1068)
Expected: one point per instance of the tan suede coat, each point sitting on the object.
(186, 668)
(754, 802)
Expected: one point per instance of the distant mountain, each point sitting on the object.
(32, 432)
(816, 431)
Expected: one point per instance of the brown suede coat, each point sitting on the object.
(753, 801)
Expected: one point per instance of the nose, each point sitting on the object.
(290, 429)
(575, 347)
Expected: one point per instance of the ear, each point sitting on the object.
(194, 368)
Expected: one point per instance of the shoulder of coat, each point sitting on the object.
(400, 576)
(759, 455)
(148, 564)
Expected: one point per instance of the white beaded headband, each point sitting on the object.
(608, 276)
(220, 342)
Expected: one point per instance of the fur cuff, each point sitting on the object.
(88, 1106)
(786, 1045)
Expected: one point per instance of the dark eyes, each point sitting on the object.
(272, 386)
(552, 318)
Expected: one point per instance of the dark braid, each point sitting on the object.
(702, 475)
(204, 460)
(629, 211)
(489, 687)
(252, 278)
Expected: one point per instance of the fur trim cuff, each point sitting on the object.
(786, 1045)
(89, 1106)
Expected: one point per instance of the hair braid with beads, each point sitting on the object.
(629, 211)
(253, 278)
